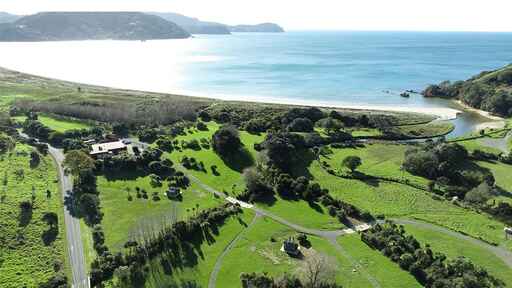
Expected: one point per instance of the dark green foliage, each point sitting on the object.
(487, 91)
(201, 126)
(254, 280)
(148, 135)
(283, 149)
(352, 162)
(300, 125)
(226, 140)
(430, 268)
(448, 164)
(175, 242)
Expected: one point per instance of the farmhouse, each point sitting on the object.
(108, 148)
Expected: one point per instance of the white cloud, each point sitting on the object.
(472, 15)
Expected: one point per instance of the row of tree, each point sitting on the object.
(173, 246)
(431, 269)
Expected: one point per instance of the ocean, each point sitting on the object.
(339, 68)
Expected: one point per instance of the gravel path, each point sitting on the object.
(500, 252)
(218, 264)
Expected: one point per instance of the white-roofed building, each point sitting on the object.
(108, 148)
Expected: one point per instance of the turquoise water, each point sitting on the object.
(366, 69)
(342, 67)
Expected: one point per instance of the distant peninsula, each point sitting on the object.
(196, 26)
(65, 26)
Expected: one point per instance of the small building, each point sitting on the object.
(290, 247)
(108, 148)
(508, 232)
(173, 192)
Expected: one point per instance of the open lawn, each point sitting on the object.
(376, 264)
(57, 124)
(433, 129)
(31, 251)
(124, 219)
(197, 272)
(455, 247)
(230, 180)
(256, 252)
(398, 200)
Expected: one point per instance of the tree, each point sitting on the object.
(352, 163)
(7, 144)
(301, 125)
(77, 161)
(226, 140)
(318, 270)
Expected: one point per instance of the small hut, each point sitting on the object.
(173, 192)
(290, 247)
(508, 232)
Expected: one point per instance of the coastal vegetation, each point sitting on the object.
(32, 228)
(214, 182)
(489, 91)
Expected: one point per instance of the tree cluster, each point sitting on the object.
(431, 269)
(173, 245)
(446, 164)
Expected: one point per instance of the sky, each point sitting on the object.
(416, 15)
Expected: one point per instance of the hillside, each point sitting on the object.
(489, 91)
(264, 27)
(61, 26)
(194, 25)
(8, 18)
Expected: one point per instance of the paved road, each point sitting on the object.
(73, 235)
(500, 252)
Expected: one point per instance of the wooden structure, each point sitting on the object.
(508, 233)
(290, 247)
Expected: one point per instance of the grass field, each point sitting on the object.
(433, 129)
(397, 200)
(124, 219)
(28, 259)
(57, 124)
(231, 181)
(198, 274)
(455, 247)
(255, 252)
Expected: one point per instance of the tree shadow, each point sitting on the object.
(300, 166)
(50, 235)
(239, 161)
(25, 217)
(316, 207)
(72, 204)
(367, 179)
(125, 174)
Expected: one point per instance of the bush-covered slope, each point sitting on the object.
(490, 91)
(58, 26)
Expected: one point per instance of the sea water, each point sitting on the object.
(339, 68)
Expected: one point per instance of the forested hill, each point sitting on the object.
(194, 25)
(8, 18)
(60, 26)
(489, 91)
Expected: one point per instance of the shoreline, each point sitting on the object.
(441, 113)
(495, 122)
